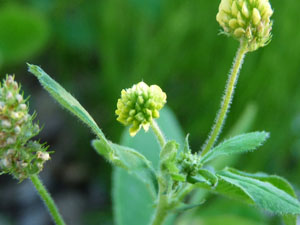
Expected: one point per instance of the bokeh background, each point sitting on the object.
(94, 48)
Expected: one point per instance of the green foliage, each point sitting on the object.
(137, 45)
(23, 33)
(222, 219)
(238, 144)
(121, 156)
(130, 160)
(278, 182)
(262, 193)
(132, 204)
(168, 157)
(66, 100)
(218, 211)
(205, 177)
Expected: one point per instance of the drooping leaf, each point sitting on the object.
(130, 160)
(261, 193)
(66, 100)
(133, 205)
(238, 144)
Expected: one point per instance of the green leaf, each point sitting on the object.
(133, 205)
(66, 100)
(23, 33)
(290, 219)
(261, 193)
(221, 219)
(278, 182)
(130, 160)
(238, 144)
(209, 175)
(105, 149)
(187, 144)
(168, 157)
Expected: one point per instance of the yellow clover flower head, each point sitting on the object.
(247, 20)
(139, 105)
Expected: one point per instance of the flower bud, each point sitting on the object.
(189, 163)
(139, 105)
(247, 21)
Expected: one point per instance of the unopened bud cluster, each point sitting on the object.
(19, 156)
(139, 105)
(247, 20)
(189, 163)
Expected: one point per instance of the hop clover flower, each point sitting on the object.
(19, 156)
(247, 20)
(139, 105)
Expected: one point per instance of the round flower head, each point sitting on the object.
(19, 156)
(247, 20)
(139, 105)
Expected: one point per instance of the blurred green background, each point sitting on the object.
(96, 48)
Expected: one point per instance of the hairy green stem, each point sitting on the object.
(227, 99)
(158, 133)
(161, 210)
(163, 198)
(48, 201)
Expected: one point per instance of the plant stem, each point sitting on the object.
(227, 99)
(163, 198)
(158, 133)
(48, 201)
(161, 210)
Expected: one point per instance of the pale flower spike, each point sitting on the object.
(247, 20)
(19, 155)
(139, 105)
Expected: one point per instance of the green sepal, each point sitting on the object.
(178, 177)
(238, 144)
(168, 157)
(204, 178)
(130, 160)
